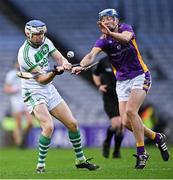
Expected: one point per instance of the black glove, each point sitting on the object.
(58, 72)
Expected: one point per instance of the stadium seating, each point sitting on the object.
(74, 25)
(10, 40)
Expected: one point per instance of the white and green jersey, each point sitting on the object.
(30, 57)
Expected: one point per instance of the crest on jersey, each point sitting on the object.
(45, 49)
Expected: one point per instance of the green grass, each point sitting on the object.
(20, 164)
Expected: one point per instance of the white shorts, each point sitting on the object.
(48, 96)
(124, 88)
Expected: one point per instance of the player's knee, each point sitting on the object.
(116, 125)
(130, 113)
(73, 126)
(48, 129)
(125, 121)
(126, 124)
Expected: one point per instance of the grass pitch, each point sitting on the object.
(20, 164)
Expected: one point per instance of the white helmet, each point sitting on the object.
(108, 12)
(35, 27)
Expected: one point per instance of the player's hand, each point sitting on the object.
(103, 88)
(59, 70)
(67, 66)
(77, 70)
(103, 28)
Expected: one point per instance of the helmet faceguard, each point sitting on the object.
(35, 27)
(108, 12)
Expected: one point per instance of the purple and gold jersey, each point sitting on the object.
(125, 58)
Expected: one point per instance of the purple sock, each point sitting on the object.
(140, 150)
(157, 138)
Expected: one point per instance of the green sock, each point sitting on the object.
(43, 149)
(76, 142)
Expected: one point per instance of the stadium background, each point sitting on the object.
(72, 26)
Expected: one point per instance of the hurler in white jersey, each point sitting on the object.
(40, 95)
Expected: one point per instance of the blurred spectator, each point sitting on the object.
(12, 87)
(148, 115)
(151, 119)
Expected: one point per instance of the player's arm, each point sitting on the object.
(97, 82)
(87, 60)
(90, 57)
(45, 78)
(96, 74)
(61, 60)
(123, 37)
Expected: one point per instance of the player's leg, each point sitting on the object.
(116, 130)
(29, 122)
(160, 141)
(64, 114)
(107, 141)
(131, 94)
(26, 130)
(158, 138)
(42, 114)
(140, 149)
(110, 131)
(123, 90)
(136, 98)
(118, 137)
(17, 134)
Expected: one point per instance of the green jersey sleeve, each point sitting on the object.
(52, 48)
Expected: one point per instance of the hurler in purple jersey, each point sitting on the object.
(133, 79)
